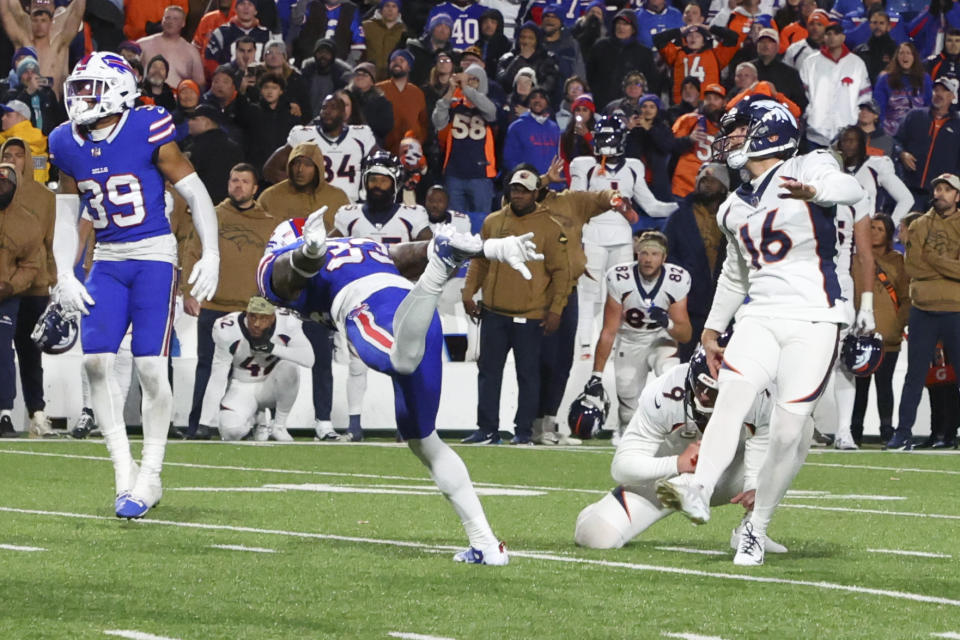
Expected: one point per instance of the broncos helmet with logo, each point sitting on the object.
(102, 84)
(771, 131)
(609, 136)
(382, 163)
(588, 413)
(56, 331)
(700, 390)
(862, 355)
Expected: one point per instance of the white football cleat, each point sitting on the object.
(769, 544)
(324, 431)
(494, 556)
(749, 548)
(568, 441)
(280, 434)
(845, 444)
(40, 426)
(261, 433)
(683, 494)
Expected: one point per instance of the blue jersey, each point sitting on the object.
(347, 261)
(357, 39)
(466, 23)
(120, 187)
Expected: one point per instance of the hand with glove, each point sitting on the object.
(315, 235)
(71, 294)
(261, 344)
(659, 316)
(594, 386)
(514, 250)
(205, 276)
(865, 323)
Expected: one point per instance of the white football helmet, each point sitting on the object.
(101, 84)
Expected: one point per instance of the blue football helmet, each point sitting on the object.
(862, 355)
(56, 331)
(771, 130)
(609, 136)
(588, 413)
(700, 392)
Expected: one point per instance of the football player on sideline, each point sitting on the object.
(258, 354)
(607, 237)
(113, 159)
(644, 318)
(381, 219)
(662, 440)
(393, 325)
(781, 252)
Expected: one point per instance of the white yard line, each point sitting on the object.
(704, 552)
(947, 634)
(338, 474)
(13, 547)
(535, 555)
(240, 547)
(878, 512)
(415, 636)
(134, 635)
(918, 554)
(689, 636)
(869, 467)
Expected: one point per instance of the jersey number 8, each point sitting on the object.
(122, 190)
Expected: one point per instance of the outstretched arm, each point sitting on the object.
(16, 22)
(66, 25)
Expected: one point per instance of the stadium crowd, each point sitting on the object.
(495, 116)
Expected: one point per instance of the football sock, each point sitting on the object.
(722, 435)
(356, 385)
(411, 322)
(99, 368)
(790, 435)
(452, 478)
(157, 409)
(846, 394)
(354, 426)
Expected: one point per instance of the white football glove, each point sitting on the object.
(514, 250)
(315, 234)
(865, 323)
(205, 276)
(71, 294)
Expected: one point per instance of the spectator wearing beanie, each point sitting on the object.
(45, 109)
(650, 139)
(423, 51)
(383, 32)
(573, 88)
(577, 138)
(409, 103)
(772, 69)
(558, 41)
(534, 136)
(222, 96)
(612, 57)
(370, 102)
(529, 52)
(154, 85)
(689, 99)
(323, 74)
(492, 43)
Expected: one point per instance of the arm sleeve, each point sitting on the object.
(731, 287)
(642, 194)
(201, 207)
(219, 370)
(298, 350)
(833, 185)
(755, 450)
(887, 178)
(636, 460)
(65, 240)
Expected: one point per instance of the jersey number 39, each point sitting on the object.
(121, 190)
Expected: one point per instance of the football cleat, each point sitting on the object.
(261, 433)
(324, 430)
(821, 439)
(479, 437)
(901, 441)
(547, 438)
(521, 440)
(681, 493)
(351, 436)
(568, 441)
(6, 428)
(280, 434)
(131, 508)
(750, 548)
(494, 556)
(845, 444)
(770, 545)
(40, 426)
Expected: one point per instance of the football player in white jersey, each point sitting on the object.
(256, 364)
(607, 238)
(344, 148)
(379, 218)
(644, 318)
(781, 252)
(662, 440)
(873, 173)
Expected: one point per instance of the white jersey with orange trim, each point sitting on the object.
(637, 295)
(342, 156)
(403, 225)
(782, 252)
(246, 365)
(626, 175)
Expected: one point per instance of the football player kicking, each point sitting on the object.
(662, 440)
(644, 318)
(356, 285)
(781, 252)
(258, 353)
(113, 159)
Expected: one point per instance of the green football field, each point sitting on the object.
(353, 541)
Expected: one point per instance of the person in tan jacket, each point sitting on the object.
(516, 313)
(891, 308)
(244, 229)
(933, 264)
(40, 201)
(305, 190)
(383, 32)
(21, 258)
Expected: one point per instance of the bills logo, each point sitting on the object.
(847, 81)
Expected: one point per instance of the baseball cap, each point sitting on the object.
(949, 179)
(821, 16)
(17, 106)
(714, 170)
(526, 179)
(769, 33)
(713, 87)
(950, 84)
(871, 105)
(258, 304)
(206, 110)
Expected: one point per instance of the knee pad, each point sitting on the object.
(231, 427)
(595, 531)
